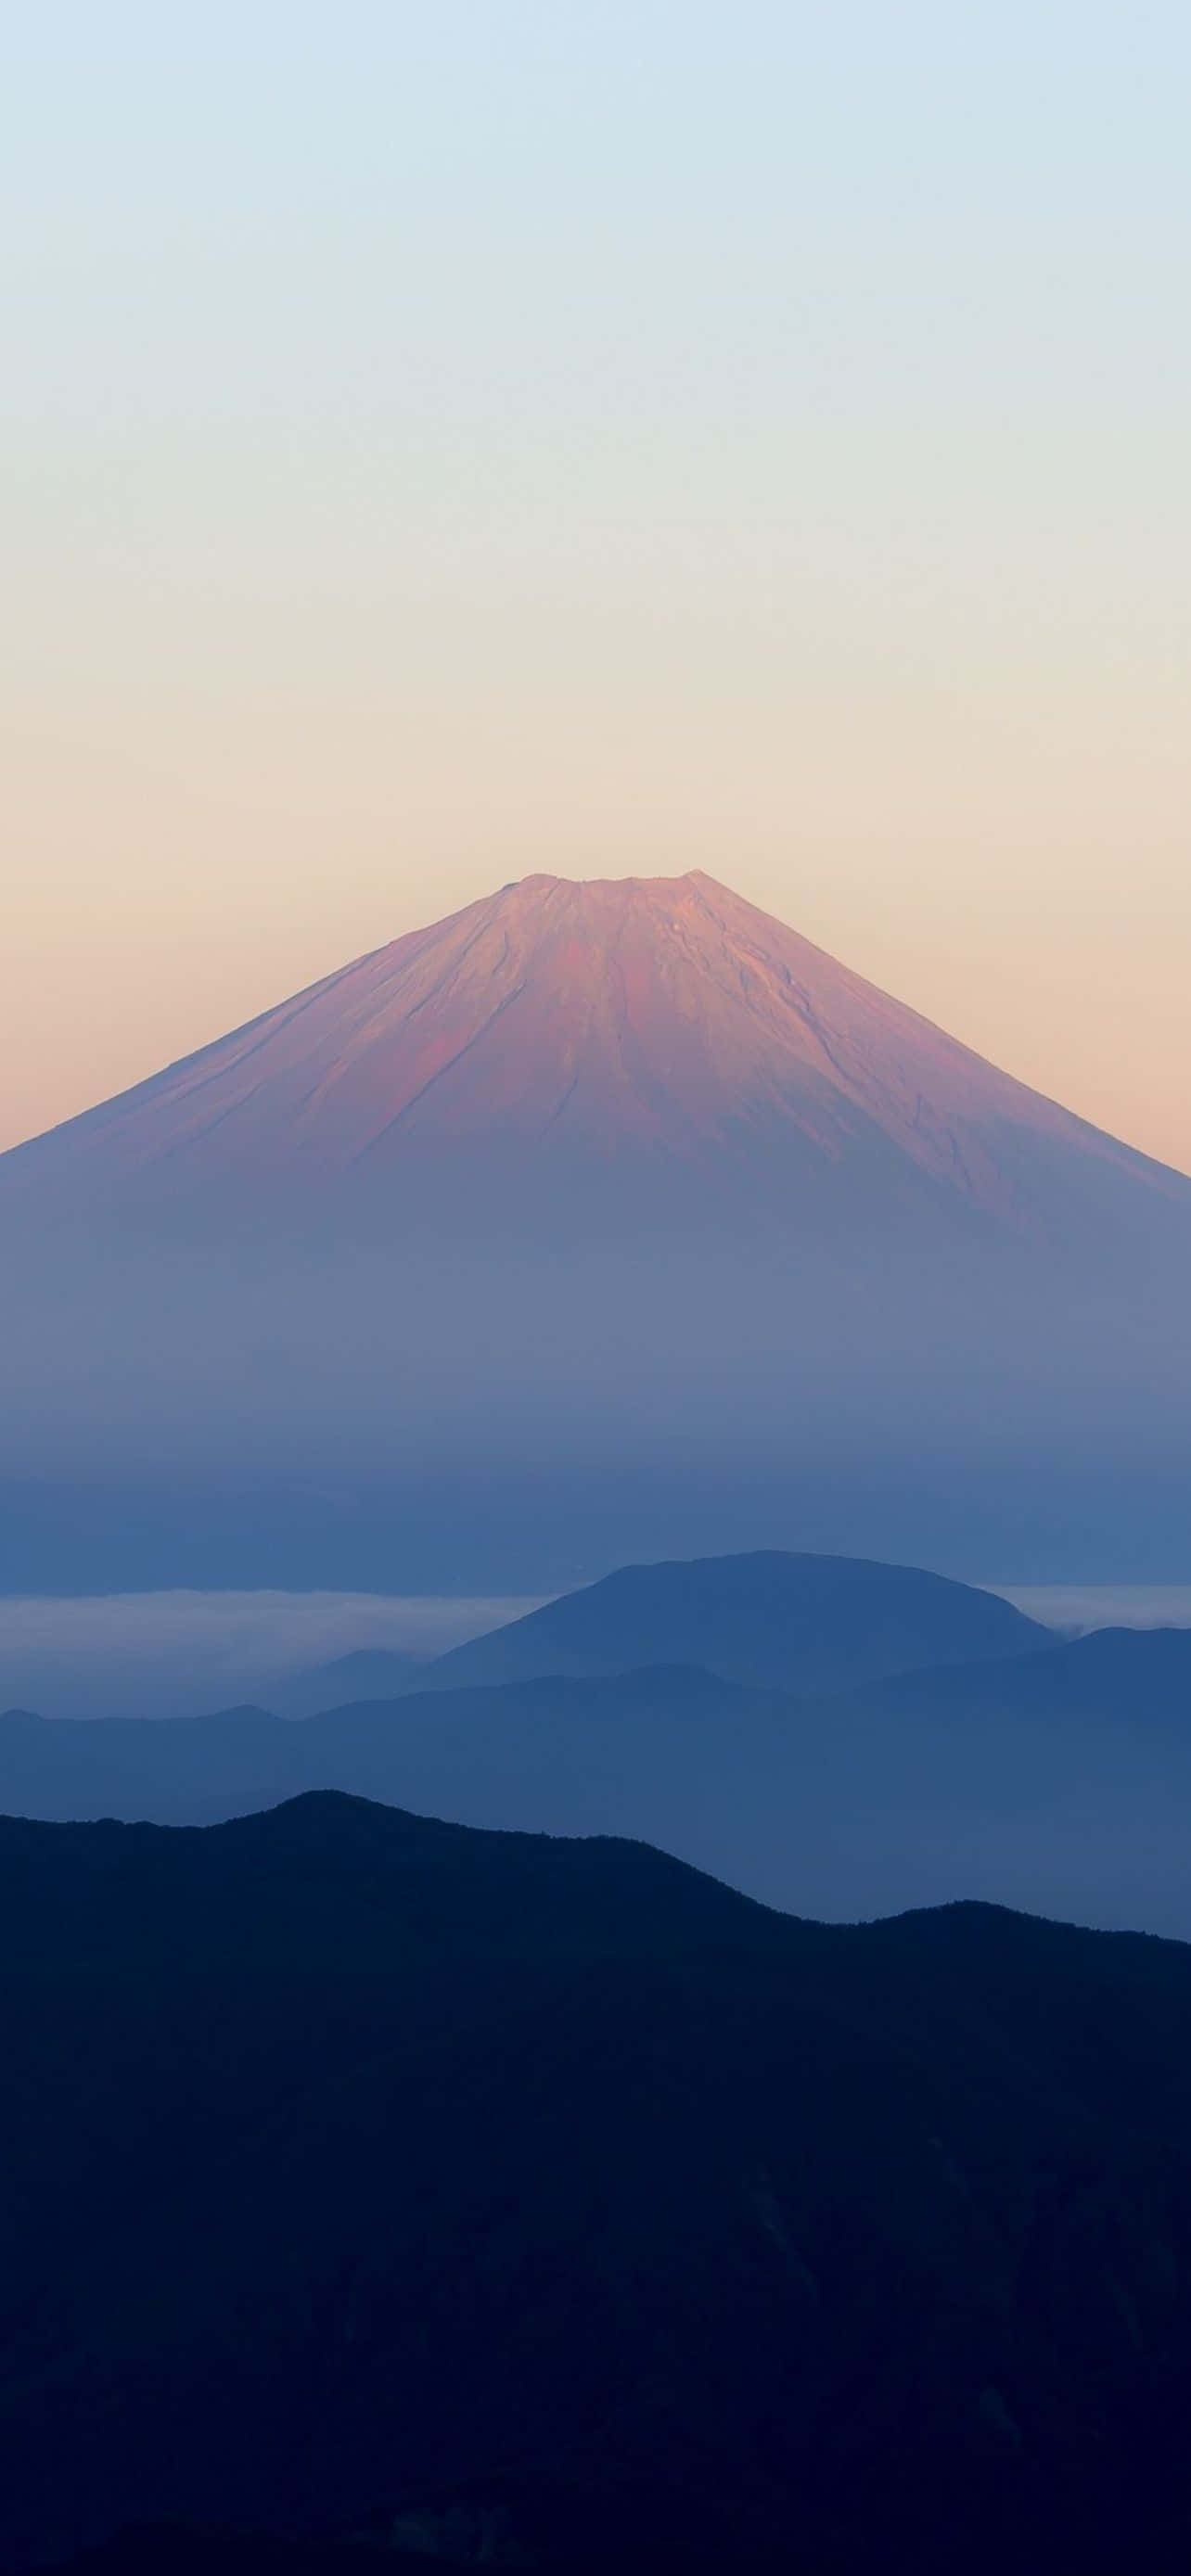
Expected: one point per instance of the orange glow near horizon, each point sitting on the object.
(448, 444)
(147, 915)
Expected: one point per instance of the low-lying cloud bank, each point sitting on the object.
(179, 1653)
(1076, 1608)
(148, 1654)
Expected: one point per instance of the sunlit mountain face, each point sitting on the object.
(618, 1189)
(659, 1031)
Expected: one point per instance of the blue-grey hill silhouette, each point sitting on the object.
(776, 1620)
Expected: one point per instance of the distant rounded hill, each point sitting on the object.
(771, 1620)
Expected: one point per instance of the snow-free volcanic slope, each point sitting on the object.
(638, 1023)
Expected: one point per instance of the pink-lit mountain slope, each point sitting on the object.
(658, 1031)
(600, 1220)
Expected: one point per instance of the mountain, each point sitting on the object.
(639, 1026)
(598, 1220)
(370, 2173)
(773, 1620)
(1138, 1675)
(369, 1672)
(1058, 1781)
(782, 1622)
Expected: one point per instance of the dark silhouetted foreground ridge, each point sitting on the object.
(358, 2170)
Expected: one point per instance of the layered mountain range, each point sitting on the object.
(828, 1736)
(588, 1183)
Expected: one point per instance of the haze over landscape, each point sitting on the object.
(595, 1253)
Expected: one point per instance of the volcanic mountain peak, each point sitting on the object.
(619, 1018)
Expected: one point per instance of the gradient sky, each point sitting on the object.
(444, 441)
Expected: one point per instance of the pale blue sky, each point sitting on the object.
(440, 442)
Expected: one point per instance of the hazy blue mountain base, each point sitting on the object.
(598, 1221)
